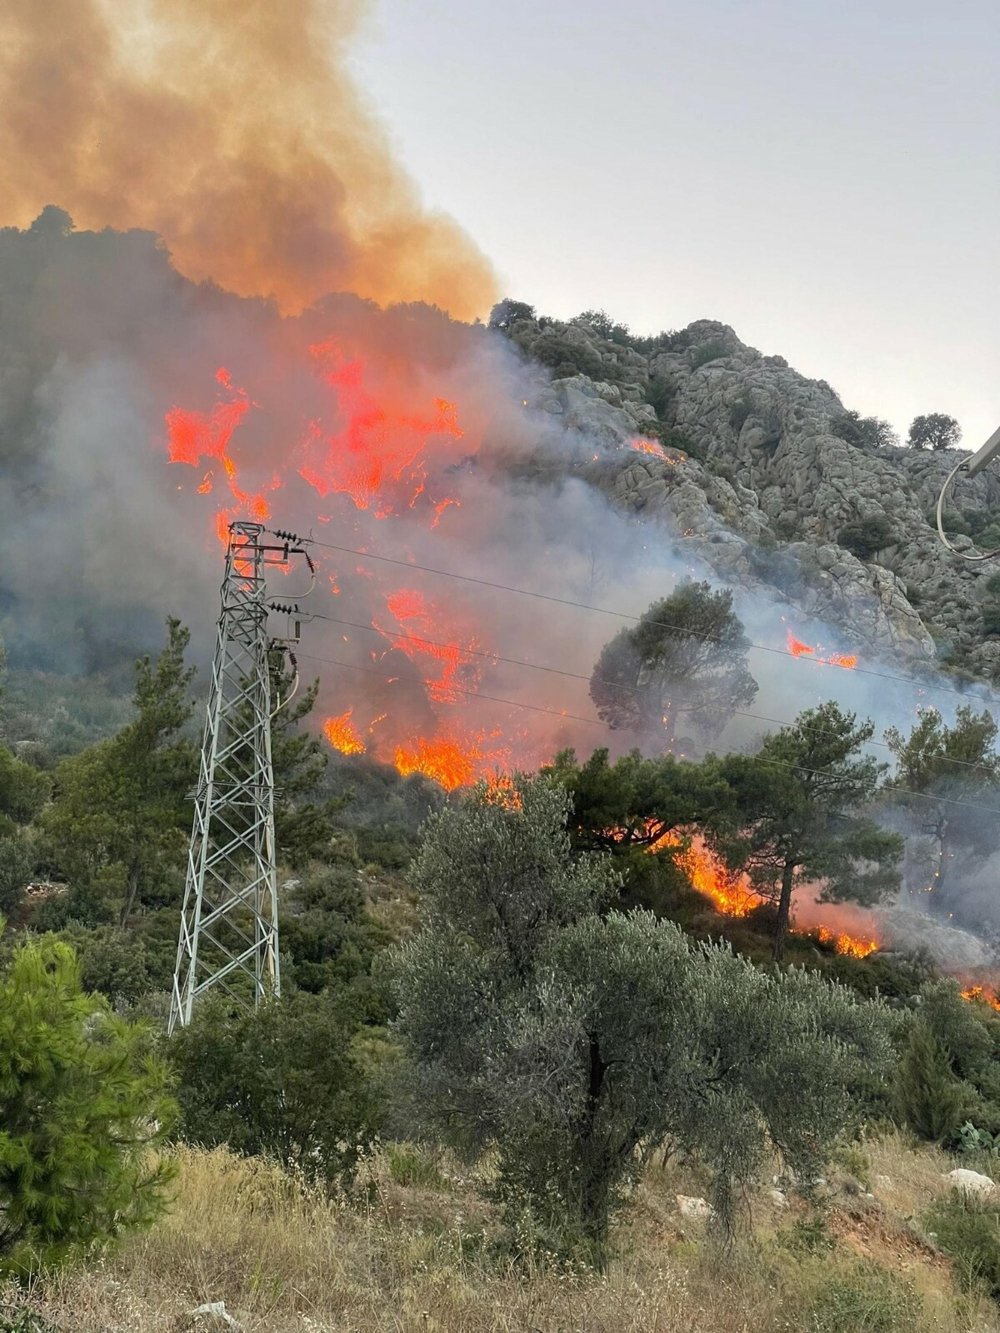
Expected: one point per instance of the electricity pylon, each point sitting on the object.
(229, 920)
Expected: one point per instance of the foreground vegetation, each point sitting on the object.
(413, 1248)
(521, 976)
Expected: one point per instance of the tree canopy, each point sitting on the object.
(935, 430)
(573, 1041)
(800, 799)
(942, 774)
(119, 819)
(684, 663)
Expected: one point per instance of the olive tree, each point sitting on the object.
(571, 1042)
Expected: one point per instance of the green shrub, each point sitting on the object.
(967, 1229)
(24, 1321)
(991, 618)
(865, 1299)
(285, 1081)
(863, 432)
(866, 536)
(929, 1099)
(660, 394)
(710, 351)
(82, 1099)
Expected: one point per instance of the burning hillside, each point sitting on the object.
(488, 508)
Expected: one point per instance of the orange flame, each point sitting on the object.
(799, 649)
(983, 994)
(413, 612)
(852, 945)
(446, 761)
(643, 446)
(381, 450)
(343, 735)
(193, 437)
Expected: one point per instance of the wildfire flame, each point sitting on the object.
(413, 611)
(983, 994)
(343, 734)
(450, 762)
(799, 649)
(643, 446)
(378, 458)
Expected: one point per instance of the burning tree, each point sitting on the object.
(799, 799)
(685, 659)
(636, 802)
(572, 1041)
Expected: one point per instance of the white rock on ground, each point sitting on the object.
(218, 1314)
(693, 1207)
(970, 1182)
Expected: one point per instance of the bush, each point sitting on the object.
(82, 1099)
(865, 1299)
(283, 1082)
(929, 1099)
(867, 536)
(967, 1229)
(741, 409)
(710, 351)
(991, 618)
(660, 394)
(863, 432)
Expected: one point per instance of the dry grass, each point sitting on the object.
(422, 1256)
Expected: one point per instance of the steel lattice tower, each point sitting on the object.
(229, 920)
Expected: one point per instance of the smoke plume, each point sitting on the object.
(233, 130)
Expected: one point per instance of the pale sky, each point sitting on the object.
(825, 177)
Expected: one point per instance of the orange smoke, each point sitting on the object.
(236, 133)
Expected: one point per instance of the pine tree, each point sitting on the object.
(82, 1100)
(929, 1098)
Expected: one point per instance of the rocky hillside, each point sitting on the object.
(763, 487)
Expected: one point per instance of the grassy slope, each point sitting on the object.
(418, 1254)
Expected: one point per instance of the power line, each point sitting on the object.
(623, 615)
(593, 721)
(576, 675)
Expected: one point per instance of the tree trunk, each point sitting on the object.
(130, 897)
(784, 909)
(594, 1174)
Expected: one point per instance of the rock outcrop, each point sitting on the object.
(754, 479)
